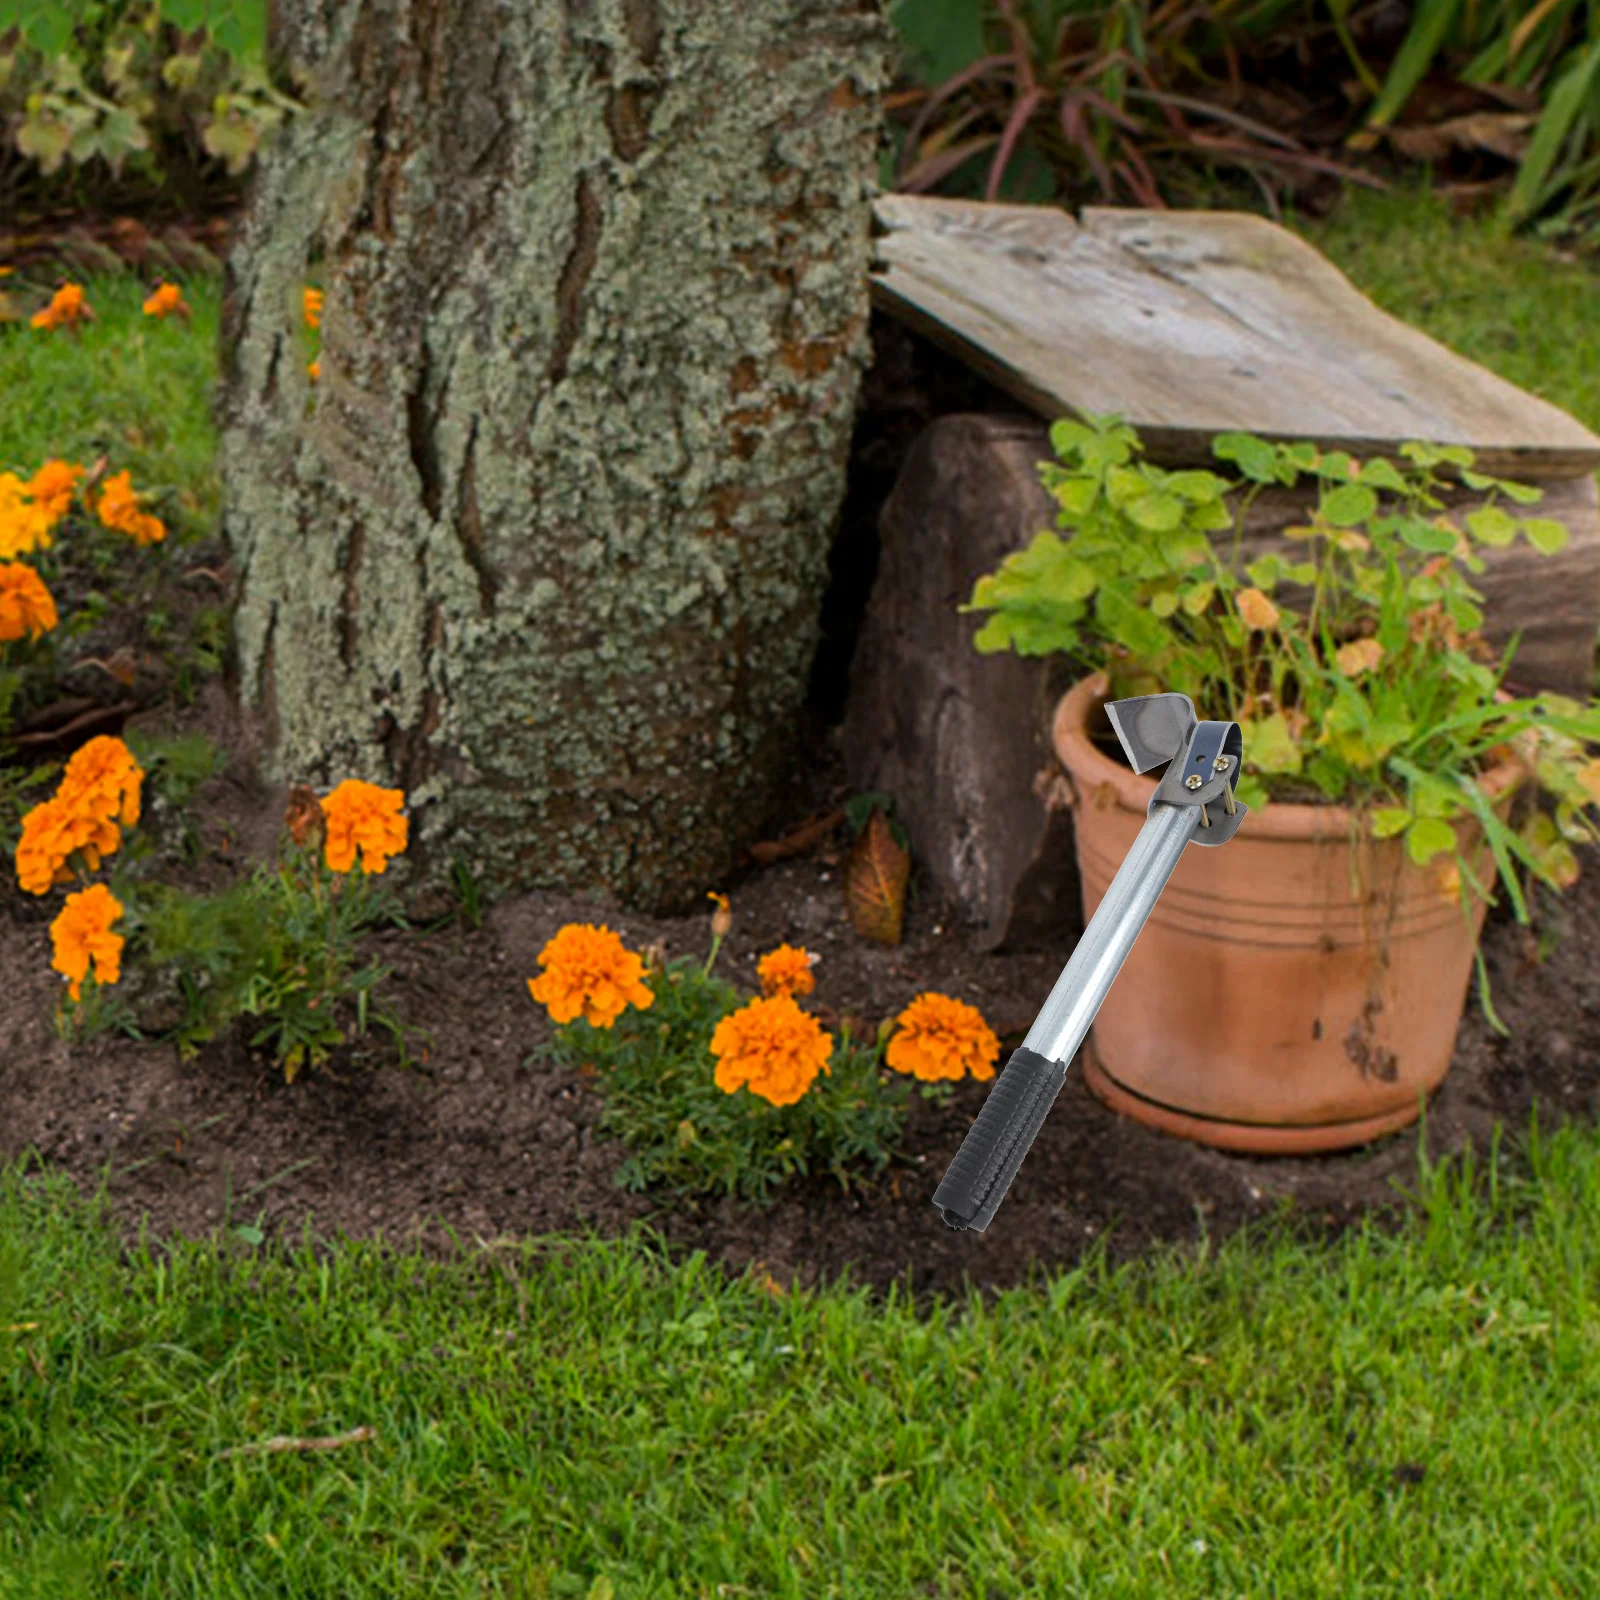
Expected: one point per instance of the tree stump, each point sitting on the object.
(545, 544)
(962, 740)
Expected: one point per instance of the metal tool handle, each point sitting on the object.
(992, 1152)
(1204, 756)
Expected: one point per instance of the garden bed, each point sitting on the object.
(488, 1139)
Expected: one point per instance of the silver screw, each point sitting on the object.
(1222, 763)
(1193, 781)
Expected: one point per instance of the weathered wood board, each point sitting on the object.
(1192, 323)
(962, 740)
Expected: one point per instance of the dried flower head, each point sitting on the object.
(939, 1039)
(771, 1046)
(119, 509)
(166, 301)
(361, 815)
(589, 972)
(722, 917)
(787, 970)
(82, 933)
(27, 609)
(303, 815)
(25, 524)
(67, 308)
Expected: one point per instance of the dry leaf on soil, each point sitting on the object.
(875, 882)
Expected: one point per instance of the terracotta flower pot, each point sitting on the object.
(1272, 1004)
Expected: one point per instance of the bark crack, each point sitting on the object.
(574, 277)
(469, 526)
(347, 622)
(420, 438)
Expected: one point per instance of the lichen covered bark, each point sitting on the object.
(545, 545)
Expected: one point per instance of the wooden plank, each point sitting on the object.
(1190, 323)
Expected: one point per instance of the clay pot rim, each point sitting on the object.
(1280, 820)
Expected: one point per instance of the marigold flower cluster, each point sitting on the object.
(770, 1045)
(27, 608)
(588, 972)
(361, 816)
(29, 511)
(82, 933)
(99, 789)
(119, 509)
(67, 309)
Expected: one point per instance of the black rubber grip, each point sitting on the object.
(995, 1144)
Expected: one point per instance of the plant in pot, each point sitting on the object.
(1302, 989)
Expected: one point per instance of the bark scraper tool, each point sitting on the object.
(1204, 766)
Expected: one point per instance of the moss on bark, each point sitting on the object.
(545, 545)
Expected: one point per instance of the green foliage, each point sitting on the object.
(655, 1071)
(1378, 694)
(107, 80)
(176, 767)
(278, 947)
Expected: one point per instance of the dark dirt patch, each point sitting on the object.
(490, 1140)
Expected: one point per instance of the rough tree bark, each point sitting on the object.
(545, 546)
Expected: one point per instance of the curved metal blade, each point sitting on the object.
(1153, 728)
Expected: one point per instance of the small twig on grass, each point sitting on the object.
(283, 1442)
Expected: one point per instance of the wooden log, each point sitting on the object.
(961, 740)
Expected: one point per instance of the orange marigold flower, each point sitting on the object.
(103, 777)
(82, 933)
(773, 1047)
(119, 509)
(311, 303)
(589, 971)
(167, 300)
(51, 832)
(67, 307)
(314, 369)
(53, 486)
(786, 970)
(1256, 609)
(361, 815)
(940, 1038)
(26, 606)
(25, 524)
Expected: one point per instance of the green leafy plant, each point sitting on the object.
(1075, 89)
(119, 82)
(278, 947)
(1378, 692)
(654, 1069)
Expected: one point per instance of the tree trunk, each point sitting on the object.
(546, 543)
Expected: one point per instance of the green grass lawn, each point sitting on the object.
(132, 387)
(1512, 304)
(1396, 1414)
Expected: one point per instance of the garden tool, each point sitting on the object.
(1193, 802)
